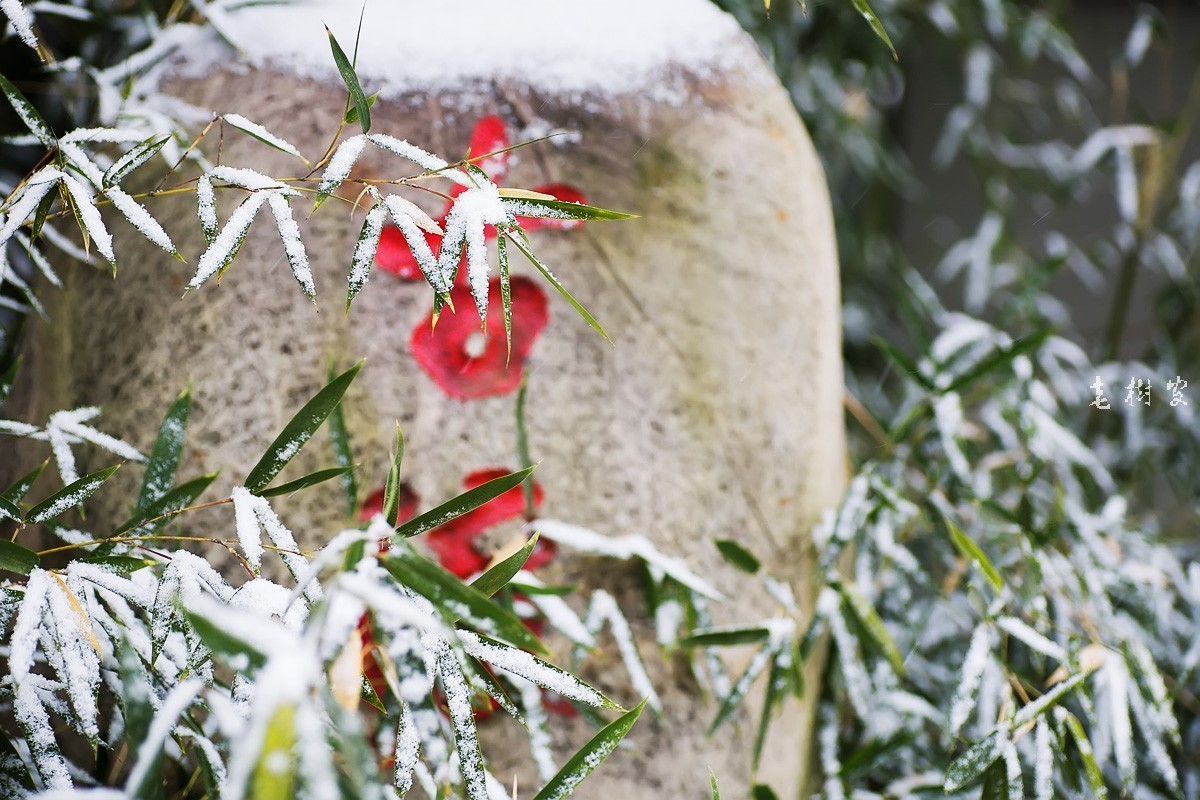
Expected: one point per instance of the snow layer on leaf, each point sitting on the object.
(258, 131)
(140, 218)
(365, 247)
(226, 242)
(293, 245)
(24, 205)
(630, 546)
(604, 609)
(22, 21)
(248, 532)
(462, 717)
(519, 662)
(92, 222)
(178, 700)
(1033, 639)
(341, 163)
(972, 672)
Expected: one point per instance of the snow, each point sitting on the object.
(571, 49)
(259, 132)
(93, 223)
(365, 247)
(519, 662)
(408, 750)
(175, 703)
(248, 533)
(1031, 638)
(603, 609)
(293, 245)
(222, 248)
(22, 21)
(462, 717)
(972, 672)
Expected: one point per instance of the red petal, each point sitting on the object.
(488, 369)
(559, 191)
(489, 137)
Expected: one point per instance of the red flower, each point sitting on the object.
(467, 362)
(374, 504)
(488, 143)
(455, 542)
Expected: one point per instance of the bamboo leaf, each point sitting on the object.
(712, 779)
(970, 766)
(69, 496)
(725, 637)
(467, 501)
(523, 245)
(498, 575)
(16, 493)
(529, 206)
(455, 598)
(342, 452)
(7, 379)
(350, 78)
(1032, 711)
(872, 624)
(139, 154)
(761, 660)
(122, 565)
(738, 556)
(391, 490)
(1094, 775)
(352, 112)
(972, 552)
(998, 359)
(263, 135)
(28, 114)
(159, 512)
(275, 773)
(17, 558)
(589, 757)
(168, 448)
(299, 430)
(864, 8)
(311, 479)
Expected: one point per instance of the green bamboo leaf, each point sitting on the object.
(297, 432)
(28, 114)
(712, 779)
(559, 209)
(139, 154)
(494, 689)
(12, 766)
(906, 364)
(498, 576)
(224, 644)
(350, 78)
(122, 565)
(738, 556)
(447, 593)
(159, 512)
(864, 8)
(1094, 775)
(9, 510)
(506, 305)
(761, 660)
(725, 637)
(352, 112)
(275, 773)
(168, 448)
(1001, 358)
(43, 213)
(972, 552)
(589, 757)
(311, 479)
(342, 452)
(391, 490)
(467, 501)
(995, 783)
(872, 624)
(69, 496)
(970, 766)
(763, 792)
(137, 710)
(16, 493)
(17, 558)
(523, 245)
(777, 684)
(1032, 711)
(523, 457)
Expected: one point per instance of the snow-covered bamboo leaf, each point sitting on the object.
(725, 637)
(494, 690)
(9, 510)
(206, 208)
(299, 430)
(167, 450)
(589, 757)
(293, 244)
(120, 565)
(712, 779)
(28, 201)
(1094, 775)
(970, 766)
(1032, 711)
(226, 644)
(448, 593)
(761, 659)
(777, 683)
(88, 216)
(17, 558)
(311, 479)
(737, 555)
(263, 135)
(1031, 638)
(340, 437)
(498, 575)
(1043, 772)
(518, 238)
(557, 209)
(25, 110)
(506, 307)
(14, 774)
(467, 501)
(972, 552)
(391, 489)
(864, 8)
(364, 251)
(339, 167)
(350, 78)
(869, 619)
(532, 668)
(69, 496)
(226, 244)
(138, 155)
(141, 219)
(1002, 357)
(976, 660)
(160, 512)
(21, 486)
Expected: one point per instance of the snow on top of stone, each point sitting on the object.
(566, 47)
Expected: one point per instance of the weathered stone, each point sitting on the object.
(715, 412)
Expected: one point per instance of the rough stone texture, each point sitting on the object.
(715, 413)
